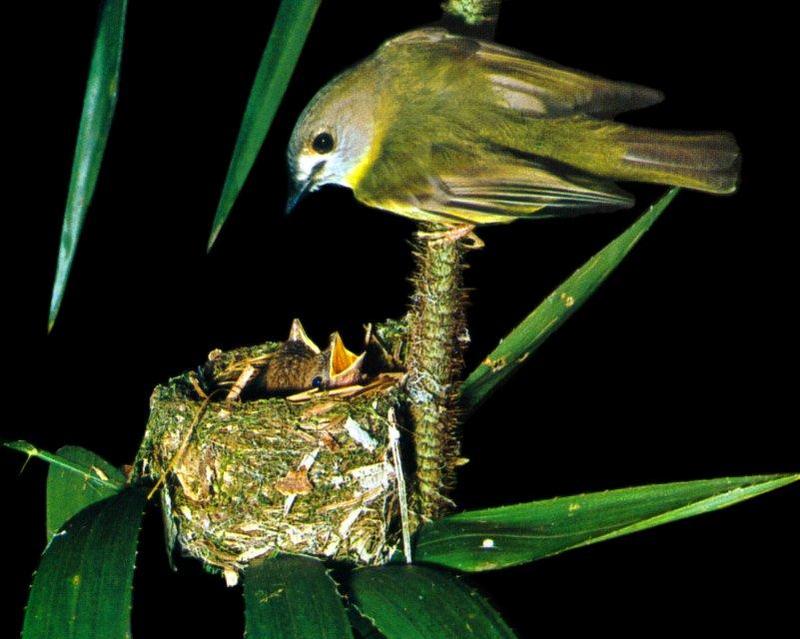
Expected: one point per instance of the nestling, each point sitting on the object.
(457, 131)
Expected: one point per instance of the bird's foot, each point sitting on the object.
(464, 233)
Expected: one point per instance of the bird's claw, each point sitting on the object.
(464, 233)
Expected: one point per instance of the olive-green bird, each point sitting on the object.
(458, 131)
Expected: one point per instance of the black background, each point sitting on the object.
(681, 367)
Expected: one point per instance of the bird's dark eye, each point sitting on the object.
(316, 382)
(323, 143)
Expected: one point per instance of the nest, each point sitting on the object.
(315, 473)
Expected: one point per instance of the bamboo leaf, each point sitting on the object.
(414, 602)
(293, 597)
(82, 589)
(511, 535)
(68, 492)
(86, 472)
(554, 310)
(98, 110)
(285, 43)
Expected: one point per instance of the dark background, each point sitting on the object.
(681, 367)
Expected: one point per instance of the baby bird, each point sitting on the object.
(300, 365)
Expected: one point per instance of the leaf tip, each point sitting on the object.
(216, 227)
(51, 320)
(211, 239)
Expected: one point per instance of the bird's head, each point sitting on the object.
(332, 137)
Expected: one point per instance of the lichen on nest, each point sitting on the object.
(313, 475)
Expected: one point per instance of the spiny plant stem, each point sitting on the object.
(437, 332)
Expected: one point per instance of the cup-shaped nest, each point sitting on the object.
(311, 473)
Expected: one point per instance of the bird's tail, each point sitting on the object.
(704, 161)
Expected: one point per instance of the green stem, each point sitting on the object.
(437, 335)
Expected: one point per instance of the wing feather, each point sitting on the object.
(501, 192)
(532, 85)
(539, 87)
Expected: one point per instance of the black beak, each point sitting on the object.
(298, 189)
(296, 192)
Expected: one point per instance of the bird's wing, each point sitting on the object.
(507, 187)
(531, 85)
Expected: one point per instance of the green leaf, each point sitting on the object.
(86, 472)
(285, 43)
(292, 597)
(554, 310)
(68, 492)
(414, 602)
(511, 535)
(98, 110)
(362, 626)
(82, 589)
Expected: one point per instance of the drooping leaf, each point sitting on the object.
(68, 492)
(554, 310)
(98, 111)
(511, 535)
(293, 597)
(82, 589)
(285, 43)
(415, 602)
(85, 472)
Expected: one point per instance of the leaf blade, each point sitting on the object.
(415, 602)
(293, 597)
(62, 462)
(68, 493)
(511, 535)
(529, 334)
(82, 589)
(99, 102)
(292, 24)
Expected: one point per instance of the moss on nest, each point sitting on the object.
(314, 476)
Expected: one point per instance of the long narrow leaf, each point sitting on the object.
(82, 589)
(98, 110)
(86, 472)
(293, 597)
(285, 43)
(414, 602)
(511, 535)
(554, 310)
(68, 492)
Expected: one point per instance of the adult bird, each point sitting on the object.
(461, 132)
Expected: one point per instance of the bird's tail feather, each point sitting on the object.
(707, 161)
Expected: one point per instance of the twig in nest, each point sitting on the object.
(184, 444)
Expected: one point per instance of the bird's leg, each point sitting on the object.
(465, 232)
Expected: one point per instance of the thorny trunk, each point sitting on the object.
(437, 337)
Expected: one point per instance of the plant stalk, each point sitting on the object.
(437, 337)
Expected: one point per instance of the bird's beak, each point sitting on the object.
(298, 188)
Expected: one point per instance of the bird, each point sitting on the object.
(299, 365)
(454, 131)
